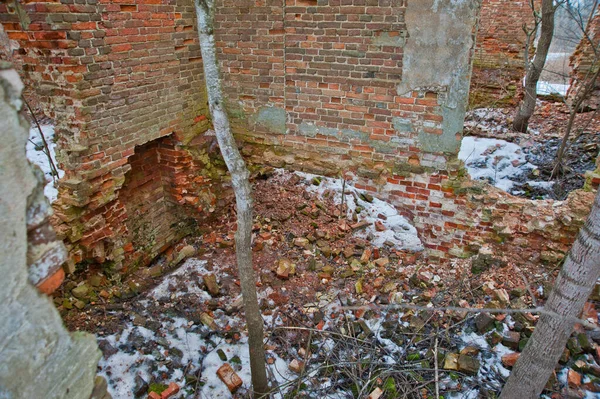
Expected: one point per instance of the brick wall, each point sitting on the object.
(112, 75)
(343, 111)
(585, 63)
(374, 89)
(322, 77)
(498, 64)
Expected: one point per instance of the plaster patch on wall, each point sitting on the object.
(394, 39)
(403, 125)
(437, 54)
(310, 130)
(271, 118)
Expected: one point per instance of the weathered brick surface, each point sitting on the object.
(585, 63)
(313, 85)
(498, 63)
(322, 76)
(113, 75)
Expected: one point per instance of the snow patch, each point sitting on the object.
(36, 155)
(547, 88)
(189, 266)
(496, 161)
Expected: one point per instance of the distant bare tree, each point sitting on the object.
(205, 10)
(534, 69)
(586, 84)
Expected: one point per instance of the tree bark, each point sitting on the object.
(572, 288)
(243, 194)
(534, 71)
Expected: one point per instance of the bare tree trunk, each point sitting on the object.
(243, 193)
(583, 91)
(575, 107)
(535, 68)
(572, 288)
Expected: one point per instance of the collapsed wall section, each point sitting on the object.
(40, 359)
(499, 59)
(377, 91)
(114, 75)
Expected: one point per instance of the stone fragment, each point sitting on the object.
(468, 364)
(171, 390)
(382, 262)
(366, 197)
(483, 321)
(81, 291)
(510, 359)
(469, 351)
(366, 255)
(301, 242)
(573, 378)
(584, 342)
(379, 226)
(139, 320)
(285, 268)
(296, 366)
(451, 361)
(358, 286)
(101, 389)
(376, 394)
(502, 296)
(95, 280)
(511, 339)
(566, 355)
(210, 280)
(229, 377)
(208, 321)
(359, 225)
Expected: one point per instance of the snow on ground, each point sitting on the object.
(37, 156)
(139, 351)
(162, 290)
(496, 161)
(399, 232)
(547, 88)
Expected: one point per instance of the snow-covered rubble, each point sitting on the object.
(37, 156)
(398, 231)
(499, 162)
(179, 347)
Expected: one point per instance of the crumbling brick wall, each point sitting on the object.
(374, 89)
(498, 62)
(113, 76)
(362, 98)
(40, 358)
(585, 63)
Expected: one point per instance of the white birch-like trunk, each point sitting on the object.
(571, 290)
(243, 193)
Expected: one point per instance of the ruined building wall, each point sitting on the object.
(114, 76)
(373, 89)
(40, 359)
(498, 63)
(377, 91)
(585, 62)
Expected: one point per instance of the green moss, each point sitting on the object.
(157, 387)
